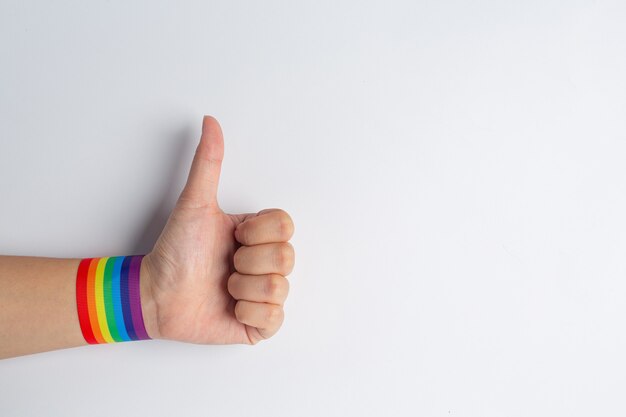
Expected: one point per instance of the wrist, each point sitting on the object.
(148, 302)
(109, 295)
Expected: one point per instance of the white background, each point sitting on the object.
(456, 172)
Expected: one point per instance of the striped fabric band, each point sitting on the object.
(108, 299)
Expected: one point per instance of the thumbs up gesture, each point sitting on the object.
(213, 277)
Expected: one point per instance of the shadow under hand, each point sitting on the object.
(175, 164)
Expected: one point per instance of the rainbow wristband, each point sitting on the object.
(109, 300)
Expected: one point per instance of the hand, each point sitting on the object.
(213, 277)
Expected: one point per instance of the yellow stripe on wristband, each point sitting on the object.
(102, 317)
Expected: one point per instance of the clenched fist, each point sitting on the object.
(213, 277)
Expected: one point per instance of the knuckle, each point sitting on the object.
(286, 227)
(274, 315)
(290, 257)
(284, 256)
(276, 287)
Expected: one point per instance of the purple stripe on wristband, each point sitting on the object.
(134, 297)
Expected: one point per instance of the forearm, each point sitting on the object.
(38, 302)
(38, 305)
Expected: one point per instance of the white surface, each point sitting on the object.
(456, 171)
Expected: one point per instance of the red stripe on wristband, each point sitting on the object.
(81, 301)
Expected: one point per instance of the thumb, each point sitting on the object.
(204, 175)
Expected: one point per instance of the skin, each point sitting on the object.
(211, 278)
